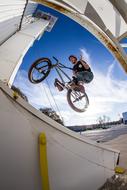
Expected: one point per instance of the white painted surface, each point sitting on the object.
(30, 9)
(74, 161)
(107, 13)
(9, 27)
(110, 16)
(79, 5)
(11, 12)
(10, 16)
(14, 49)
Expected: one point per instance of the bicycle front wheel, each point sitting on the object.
(77, 100)
(39, 70)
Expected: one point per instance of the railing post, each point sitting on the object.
(43, 162)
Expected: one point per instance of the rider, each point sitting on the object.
(81, 70)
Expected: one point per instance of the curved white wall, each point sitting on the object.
(74, 161)
(14, 49)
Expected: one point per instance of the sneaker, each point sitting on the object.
(75, 80)
(79, 88)
(59, 85)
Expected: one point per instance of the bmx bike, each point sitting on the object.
(76, 95)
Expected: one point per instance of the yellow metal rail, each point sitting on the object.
(119, 170)
(43, 162)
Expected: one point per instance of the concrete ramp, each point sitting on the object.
(74, 162)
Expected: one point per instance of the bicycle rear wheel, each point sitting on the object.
(77, 100)
(39, 70)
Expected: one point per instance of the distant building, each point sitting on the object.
(106, 125)
(124, 117)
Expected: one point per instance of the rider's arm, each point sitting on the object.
(84, 64)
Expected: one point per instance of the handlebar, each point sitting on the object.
(55, 58)
(61, 65)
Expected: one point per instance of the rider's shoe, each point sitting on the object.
(75, 80)
(59, 85)
(78, 87)
(81, 88)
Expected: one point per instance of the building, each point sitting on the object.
(124, 117)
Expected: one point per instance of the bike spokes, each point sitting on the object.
(39, 70)
(78, 100)
(42, 68)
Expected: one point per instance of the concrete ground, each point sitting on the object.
(118, 181)
(120, 143)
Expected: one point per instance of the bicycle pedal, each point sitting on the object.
(59, 85)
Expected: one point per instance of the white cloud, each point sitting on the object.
(107, 96)
(110, 69)
(85, 55)
(37, 94)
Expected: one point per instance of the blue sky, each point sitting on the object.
(67, 37)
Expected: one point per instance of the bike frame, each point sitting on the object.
(58, 67)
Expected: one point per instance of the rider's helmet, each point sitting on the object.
(72, 56)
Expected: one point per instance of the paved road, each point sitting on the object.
(106, 134)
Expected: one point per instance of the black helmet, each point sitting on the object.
(72, 56)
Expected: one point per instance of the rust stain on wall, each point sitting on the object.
(52, 5)
(114, 50)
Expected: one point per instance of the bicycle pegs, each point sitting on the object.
(58, 84)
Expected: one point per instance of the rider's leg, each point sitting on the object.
(77, 84)
(82, 77)
(75, 80)
(85, 76)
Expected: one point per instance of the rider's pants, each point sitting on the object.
(85, 76)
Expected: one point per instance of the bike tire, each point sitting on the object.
(37, 62)
(73, 106)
